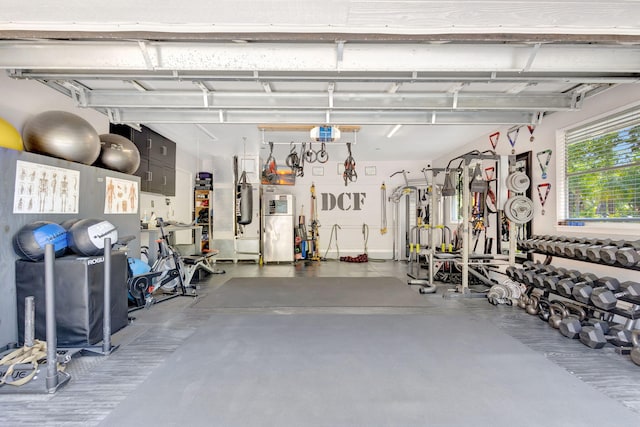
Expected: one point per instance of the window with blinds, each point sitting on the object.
(602, 169)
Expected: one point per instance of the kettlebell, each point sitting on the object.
(523, 301)
(543, 312)
(575, 311)
(557, 313)
(532, 306)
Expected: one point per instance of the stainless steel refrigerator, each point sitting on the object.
(278, 225)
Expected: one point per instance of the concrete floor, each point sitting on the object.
(444, 362)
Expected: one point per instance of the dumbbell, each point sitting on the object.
(511, 272)
(582, 292)
(571, 326)
(551, 245)
(629, 254)
(550, 282)
(569, 249)
(528, 266)
(606, 299)
(608, 253)
(565, 286)
(580, 250)
(635, 352)
(593, 252)
(550, 271)
(541, 245)
(618, 336)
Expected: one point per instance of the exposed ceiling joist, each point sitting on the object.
(317, 57)
(337, 117)
(318, 100)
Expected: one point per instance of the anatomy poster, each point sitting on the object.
(121, 196)
(45, 189)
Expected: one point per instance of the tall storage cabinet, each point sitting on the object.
(203, 216)
(157, 169)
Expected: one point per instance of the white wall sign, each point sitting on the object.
(45, 189)
(121, 196)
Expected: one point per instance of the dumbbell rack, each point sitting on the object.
(632, 313)
(528, 246)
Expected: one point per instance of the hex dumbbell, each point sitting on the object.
(539, 278)
(580, 250)
(606, 299)
(629, 254)
(527, 266)
(565, 286)
(582, 292)
(593, 252)
(608, 253)
(571, 326)
(550, 282)
(618, 336)
(511, 272)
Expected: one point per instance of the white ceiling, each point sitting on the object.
(207, 73)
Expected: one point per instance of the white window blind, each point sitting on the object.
(601, 180)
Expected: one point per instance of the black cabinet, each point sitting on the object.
(157, 169)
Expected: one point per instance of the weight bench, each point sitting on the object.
(204, 261)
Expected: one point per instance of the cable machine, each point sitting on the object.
(516, 207)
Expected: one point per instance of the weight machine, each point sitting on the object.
(479, 266)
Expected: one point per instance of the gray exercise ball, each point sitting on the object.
(63, 135)
(118, 153)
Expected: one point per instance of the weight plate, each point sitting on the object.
(518, 182)
(519, 209)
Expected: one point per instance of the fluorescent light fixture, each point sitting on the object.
(393, 131)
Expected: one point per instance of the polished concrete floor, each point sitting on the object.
(224, 360)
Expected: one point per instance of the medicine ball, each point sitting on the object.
(29, 242)
(86, 237)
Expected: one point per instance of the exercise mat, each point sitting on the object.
(363, 370)
(259, 292)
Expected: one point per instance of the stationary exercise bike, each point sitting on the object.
(167, 274)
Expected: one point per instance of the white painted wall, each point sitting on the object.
(350, 236)
(23, 99)
(545, 138)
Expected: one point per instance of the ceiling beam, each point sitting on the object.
(316, 57)
(366, 101)
(395, 78)
(319, 36)
(304, 117)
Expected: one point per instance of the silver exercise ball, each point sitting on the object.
(118, 153)
(63, 135)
